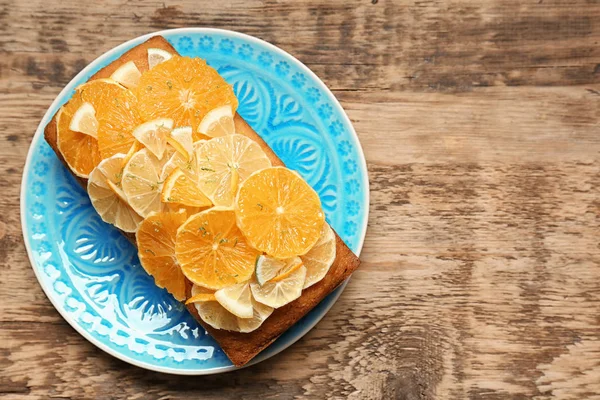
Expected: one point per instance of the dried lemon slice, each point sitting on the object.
(156, 249)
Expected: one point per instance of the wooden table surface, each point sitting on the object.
(481, 265)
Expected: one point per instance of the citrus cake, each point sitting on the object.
(217, 218)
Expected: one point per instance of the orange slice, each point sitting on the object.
(217, 316)
(80, 150)
(212, 251)
(116, 124)
(179, 188)
(108, 198)
(156, 249)
(183, 89)
(281, 200)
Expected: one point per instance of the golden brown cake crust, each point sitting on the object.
(239, 347)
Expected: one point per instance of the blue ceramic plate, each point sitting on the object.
(92, 274)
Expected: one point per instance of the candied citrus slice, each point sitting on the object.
(279, 292)
(218, 122)
(181, 139)
(212, 251)
(320, 257)
(80, 150)
(156, 56)
(281, 200)
(142, 182)
(127, 75)
(179, 188)
(223, 163)
(183, 89)
(237, 299)
(84, 120)
(116, 124)
(268, 268)
(217, 316)
(153, 135)
(107, 198)
(156, 249)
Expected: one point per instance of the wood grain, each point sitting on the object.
(480, 274)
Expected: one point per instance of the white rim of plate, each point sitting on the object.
(38, 133)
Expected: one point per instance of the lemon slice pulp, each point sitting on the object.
(181, 139)
(127, 75)
(217, 316)
(222, 163)
(84, 120)
(156, 56)
(237, 299)
(107, 198)
(218, 122)
(142, 182)
(320, 257)
(279, 292)
(153, 135)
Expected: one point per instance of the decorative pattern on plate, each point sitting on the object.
(91, 273)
